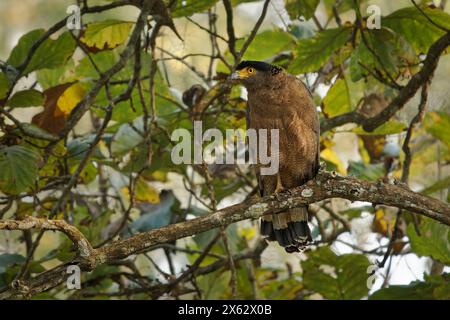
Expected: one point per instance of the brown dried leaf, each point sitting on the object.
(52, 118)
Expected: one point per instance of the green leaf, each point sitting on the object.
(214, 285)
(336, 277)
(382, 50)
(223, 187)
(336, 101)
(104, 60)
(155, 215)
(281, 289)
(313, 53)
(366, 171)
(78, 147)
(341, 6)
(302, 31)
(437, 186)
(49, 78)
(50, 54)
(7, 260)
(434, 240)
(106, 34)
(189, 7)
(356, 212)
(124, 111)
(102, 276)
(26, 98)
(298, 8)
(387, 48)
(437, 287)
(35, 132)
(204, 238)
(93, 229)
(18, 169)
(4, 85)
(237, 2)
(390, 127)
(438, 124)
(127, 137)
(87, 175)
(415, 28)
(342, 97)
(267, 44)
(21, 50)
(64, 251)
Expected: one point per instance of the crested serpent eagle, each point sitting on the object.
(278, 100)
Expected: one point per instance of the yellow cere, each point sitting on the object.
(246, 72)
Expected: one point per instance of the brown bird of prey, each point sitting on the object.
(278, 100)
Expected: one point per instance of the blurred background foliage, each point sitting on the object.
(326, 43)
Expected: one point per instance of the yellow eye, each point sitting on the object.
(251, 70)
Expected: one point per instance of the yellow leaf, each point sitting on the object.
(159, 175)
(70, 98)
(362, 151)
(382, 223)
(126, 192)
(106, 34)
(102, 146)
(247, 233)
(143, 192)
(331, 156)
(325, 142)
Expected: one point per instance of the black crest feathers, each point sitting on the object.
(275, 70)
(260, 66)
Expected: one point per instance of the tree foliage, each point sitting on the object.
(98, 152)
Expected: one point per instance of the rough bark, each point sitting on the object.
(326, 185)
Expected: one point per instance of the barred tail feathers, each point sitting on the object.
(290, 229)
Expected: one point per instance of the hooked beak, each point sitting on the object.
(235, 76)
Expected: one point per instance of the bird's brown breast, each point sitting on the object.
(286, 105)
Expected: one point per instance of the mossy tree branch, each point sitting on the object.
(325, 186)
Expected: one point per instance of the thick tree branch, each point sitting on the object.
(82, 245)
(326, 185)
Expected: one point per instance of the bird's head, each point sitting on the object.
(254, 73)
